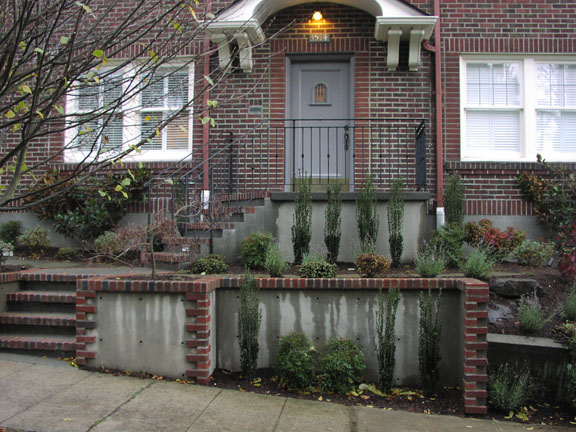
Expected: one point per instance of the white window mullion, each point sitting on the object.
(530, 120)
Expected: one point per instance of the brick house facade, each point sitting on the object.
(508, 91)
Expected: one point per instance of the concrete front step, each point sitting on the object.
(51, 319)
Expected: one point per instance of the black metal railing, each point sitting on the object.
(274, 155)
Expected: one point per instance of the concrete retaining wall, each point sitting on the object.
(350, 314)
(546, 359)
(186, 328)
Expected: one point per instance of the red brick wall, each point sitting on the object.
(378, 92)
(525, 27)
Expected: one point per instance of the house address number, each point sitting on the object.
(319, 38)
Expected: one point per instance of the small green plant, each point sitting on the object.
(534, 253)
(296, 361)
(316, 267)
(429, 341)
(569, 306)
(449, 240)
(210, 264)
(109, 244)
(386, 336)
(478, 264)
(249, 318)
(253, 250)
(332, 227)
(274, 263)
(10, 231)
(341, 366)
(35, 238)
(302, 221)
(509, 389)
(67, 253)
(530, 315)
(367, 215)
(430, 262)
(371, 264)
(454, 201)
(395, 221)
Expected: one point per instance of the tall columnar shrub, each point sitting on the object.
(429, 341)
(395, 221)
(249, 318)
(302, 221)
(454, 200)
(332, 227)
(386, 334)
(367, 215)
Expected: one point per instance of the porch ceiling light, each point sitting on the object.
(317, 15)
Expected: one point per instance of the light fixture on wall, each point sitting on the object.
(317, 15)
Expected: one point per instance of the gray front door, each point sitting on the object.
(319, 140)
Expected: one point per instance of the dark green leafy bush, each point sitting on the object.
(210, 264)
(296, 361)
(371, 264)
(341, 366)
(454, 201)
(67, 253)
(534, 253)
(10, 231)
(254, 248)
(314, 267)
(449, 241)
(90, 208)
(34, 238)
(509, 389)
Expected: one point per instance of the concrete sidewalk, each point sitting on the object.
(49, 395)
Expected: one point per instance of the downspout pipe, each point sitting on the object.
(440, 220)
(206, 127)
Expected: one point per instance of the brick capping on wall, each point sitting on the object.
(199, 320)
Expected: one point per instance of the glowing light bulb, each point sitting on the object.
(317, 16)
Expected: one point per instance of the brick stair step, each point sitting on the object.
(38, 342)
(38, 319)
(211, 225)
(42, 296)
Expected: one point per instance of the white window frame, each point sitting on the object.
(528, 110)
(132, 113)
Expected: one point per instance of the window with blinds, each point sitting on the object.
(108, 119)
(512, 110)
(99, 121)
(493, 107)
(556, 118)
(163, 95)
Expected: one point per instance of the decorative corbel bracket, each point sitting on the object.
(416, 38)
(224, 58)
(393, 49)
(245, 49)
